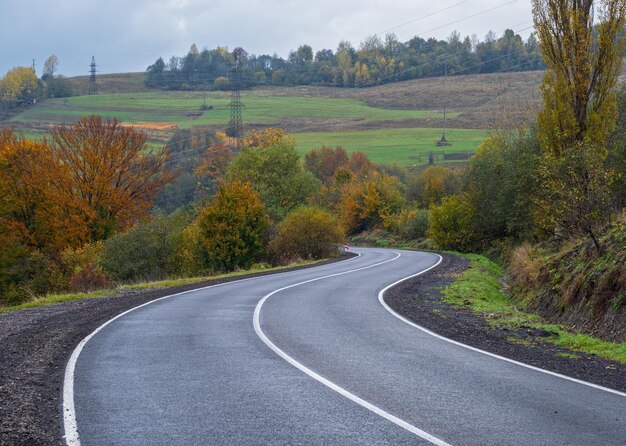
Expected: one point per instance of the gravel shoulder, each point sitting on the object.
(419, 300)
(35, 345)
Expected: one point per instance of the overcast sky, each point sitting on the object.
(129, 35)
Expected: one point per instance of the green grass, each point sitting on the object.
(403, 146)
(56, 298)
(176, 107)
(479, 289)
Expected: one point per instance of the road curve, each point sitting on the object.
(197, 368)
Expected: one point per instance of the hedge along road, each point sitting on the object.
(340, 369)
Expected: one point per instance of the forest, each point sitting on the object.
(374, 61)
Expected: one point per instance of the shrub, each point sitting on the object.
(450, 224)
(410, 224)
(74, 259)
(307, 233)
(89, 278)
(36, 275)
(221, 83)
(149, 250)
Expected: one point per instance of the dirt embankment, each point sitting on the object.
(575, 284)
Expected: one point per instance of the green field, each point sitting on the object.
(406, 147)
(309, 117)
(183, 109)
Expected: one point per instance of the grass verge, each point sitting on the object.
(120, 290)
(479, 288)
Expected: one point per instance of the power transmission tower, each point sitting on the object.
(235, 124)
(93, 88)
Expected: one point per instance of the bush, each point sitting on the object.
(89, 278)
(307, 233)
(432, 184)
(35, 275)
(410, 224)
(74, 259)
(221, 83)
(451, 224)
(147, 251)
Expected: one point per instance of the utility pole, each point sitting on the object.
(443, 141)
(235, 124)
(93, 88)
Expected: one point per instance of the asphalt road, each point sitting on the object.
(320, 362)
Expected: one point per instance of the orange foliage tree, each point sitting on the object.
(214, 162)
(111, 177)
(41, 216)
(324, 162)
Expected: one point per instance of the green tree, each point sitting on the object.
(451, 224)
(232, 228)
(501, 181)
(149, 250)
(276, 173)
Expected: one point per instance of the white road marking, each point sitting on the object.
(72, 438)
(469, 347)
(377, 410)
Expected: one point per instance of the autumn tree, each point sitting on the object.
(368, 203)
(40, 215)
(111, 176)
(232, 228)
(324, 162)
(432, 184)
(214, 162)
(266, 137)
(19, 87)
(583, 62)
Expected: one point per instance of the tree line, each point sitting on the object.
(374, 61)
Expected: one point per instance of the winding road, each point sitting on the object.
(314, 357)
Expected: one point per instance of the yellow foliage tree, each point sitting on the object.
(232, 228)
(19, 87)
(368, 203)
(583, 63)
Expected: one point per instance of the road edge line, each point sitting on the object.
(343, 392)
(70, 426)
(469, 347)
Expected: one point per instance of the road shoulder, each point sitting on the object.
(420, 300)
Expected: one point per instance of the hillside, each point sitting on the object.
(397, 122)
